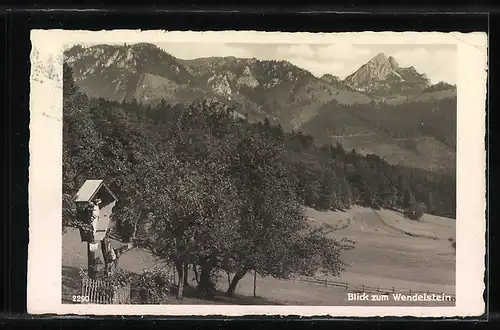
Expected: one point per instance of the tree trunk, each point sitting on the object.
(186, 265)
(179, 265)
(196, 277)
(234, 282)
(91, 267)
(254, 283)
(206, 286)
(105, 254)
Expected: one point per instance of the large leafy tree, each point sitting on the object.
(274, 239)
(192, 211)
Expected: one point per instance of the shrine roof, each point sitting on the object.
(90, 188)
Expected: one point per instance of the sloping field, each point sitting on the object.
(330, 220)
(431, 154)
(300, 292)
(387, 257)
(439, 221)
(384, 257)
(428, 227)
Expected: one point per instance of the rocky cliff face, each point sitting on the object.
(116, 72)
(383, 77)
(333, 80)
(247, 79)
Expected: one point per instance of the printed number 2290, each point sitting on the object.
(81, 299)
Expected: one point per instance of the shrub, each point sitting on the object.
(415, 212)
(118, 278)
(153, 285)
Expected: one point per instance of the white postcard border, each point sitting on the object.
(45, 171)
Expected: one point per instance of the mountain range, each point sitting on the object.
(382, 76)
(327, 107)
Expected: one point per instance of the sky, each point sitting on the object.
(438, 62)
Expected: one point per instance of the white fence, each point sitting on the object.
(368, 289)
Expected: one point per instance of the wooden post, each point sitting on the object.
(254, 282)
(91, 269)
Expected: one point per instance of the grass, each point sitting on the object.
(70, 284)
(191, 297)
(387, 257)
(418, 228)
(74, 258)
(383, 257)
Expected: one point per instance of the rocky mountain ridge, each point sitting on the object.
(120, 67)
(277, 90)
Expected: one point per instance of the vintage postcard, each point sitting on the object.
(257, 173)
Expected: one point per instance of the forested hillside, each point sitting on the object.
(420, 133)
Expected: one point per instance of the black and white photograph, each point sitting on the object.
(276, 172)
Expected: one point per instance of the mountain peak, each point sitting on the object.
(377, 69)
(382, 75)
(379, 57)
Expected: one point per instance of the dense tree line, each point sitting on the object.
(440, 86)
(330, 177)
(408, 120)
